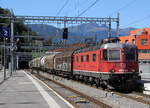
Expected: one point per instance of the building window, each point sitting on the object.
(126, 41)
(144, 42)
(87, 58)
(94, 57)
(133, 41)
(144, 51)
(81, 58)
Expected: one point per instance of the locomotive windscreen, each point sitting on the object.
(113, 54)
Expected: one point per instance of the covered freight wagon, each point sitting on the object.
(63, 62)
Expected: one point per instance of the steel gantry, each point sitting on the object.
(67, 20)
(72, 20)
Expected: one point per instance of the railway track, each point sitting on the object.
(81, 98)
(141, 94)
(139, 97)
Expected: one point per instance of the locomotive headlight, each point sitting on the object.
(112, 71)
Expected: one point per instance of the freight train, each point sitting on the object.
(109, 65)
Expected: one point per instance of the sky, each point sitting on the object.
(133, 13)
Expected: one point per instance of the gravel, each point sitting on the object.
(109, 98)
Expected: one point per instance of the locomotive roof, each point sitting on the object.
(106, 46)
(118, 45)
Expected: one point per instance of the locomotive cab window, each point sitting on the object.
(111, 55)
(81, 58)
(77, 59)
(105, 55)
(94, 57)
(87, 58)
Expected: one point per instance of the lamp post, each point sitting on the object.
(12, 46)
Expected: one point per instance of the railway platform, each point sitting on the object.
(23, 90)
(2, 75)
(146, 84)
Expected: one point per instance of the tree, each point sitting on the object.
(4, 22)
(19, 27)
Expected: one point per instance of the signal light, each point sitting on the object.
(65, 33)
(18, 45)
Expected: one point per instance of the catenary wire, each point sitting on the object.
(124, 7)
(60, 10)
(137, 21)
(88, 7)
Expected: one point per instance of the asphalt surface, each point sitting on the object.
(25, 91)
(2, 75)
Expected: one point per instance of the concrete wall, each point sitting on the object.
(145, 67)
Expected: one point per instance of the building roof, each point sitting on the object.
(140, 37)
(145, 31)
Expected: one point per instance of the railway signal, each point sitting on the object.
(65, 33)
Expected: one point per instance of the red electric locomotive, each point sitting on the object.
(113, 65)
(108, 65)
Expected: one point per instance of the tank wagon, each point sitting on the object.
(113, 65)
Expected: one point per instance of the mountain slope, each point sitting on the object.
(78, 33)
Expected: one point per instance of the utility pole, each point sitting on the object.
(17, 61)
(109, 31)
(1, 55)
(117, 31)
(12, 45)
(64, 40)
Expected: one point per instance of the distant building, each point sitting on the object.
(39, 41)
(140, 37)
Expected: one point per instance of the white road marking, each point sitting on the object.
(70, 105)
(51, 102)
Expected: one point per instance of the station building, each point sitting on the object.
(140, 37)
